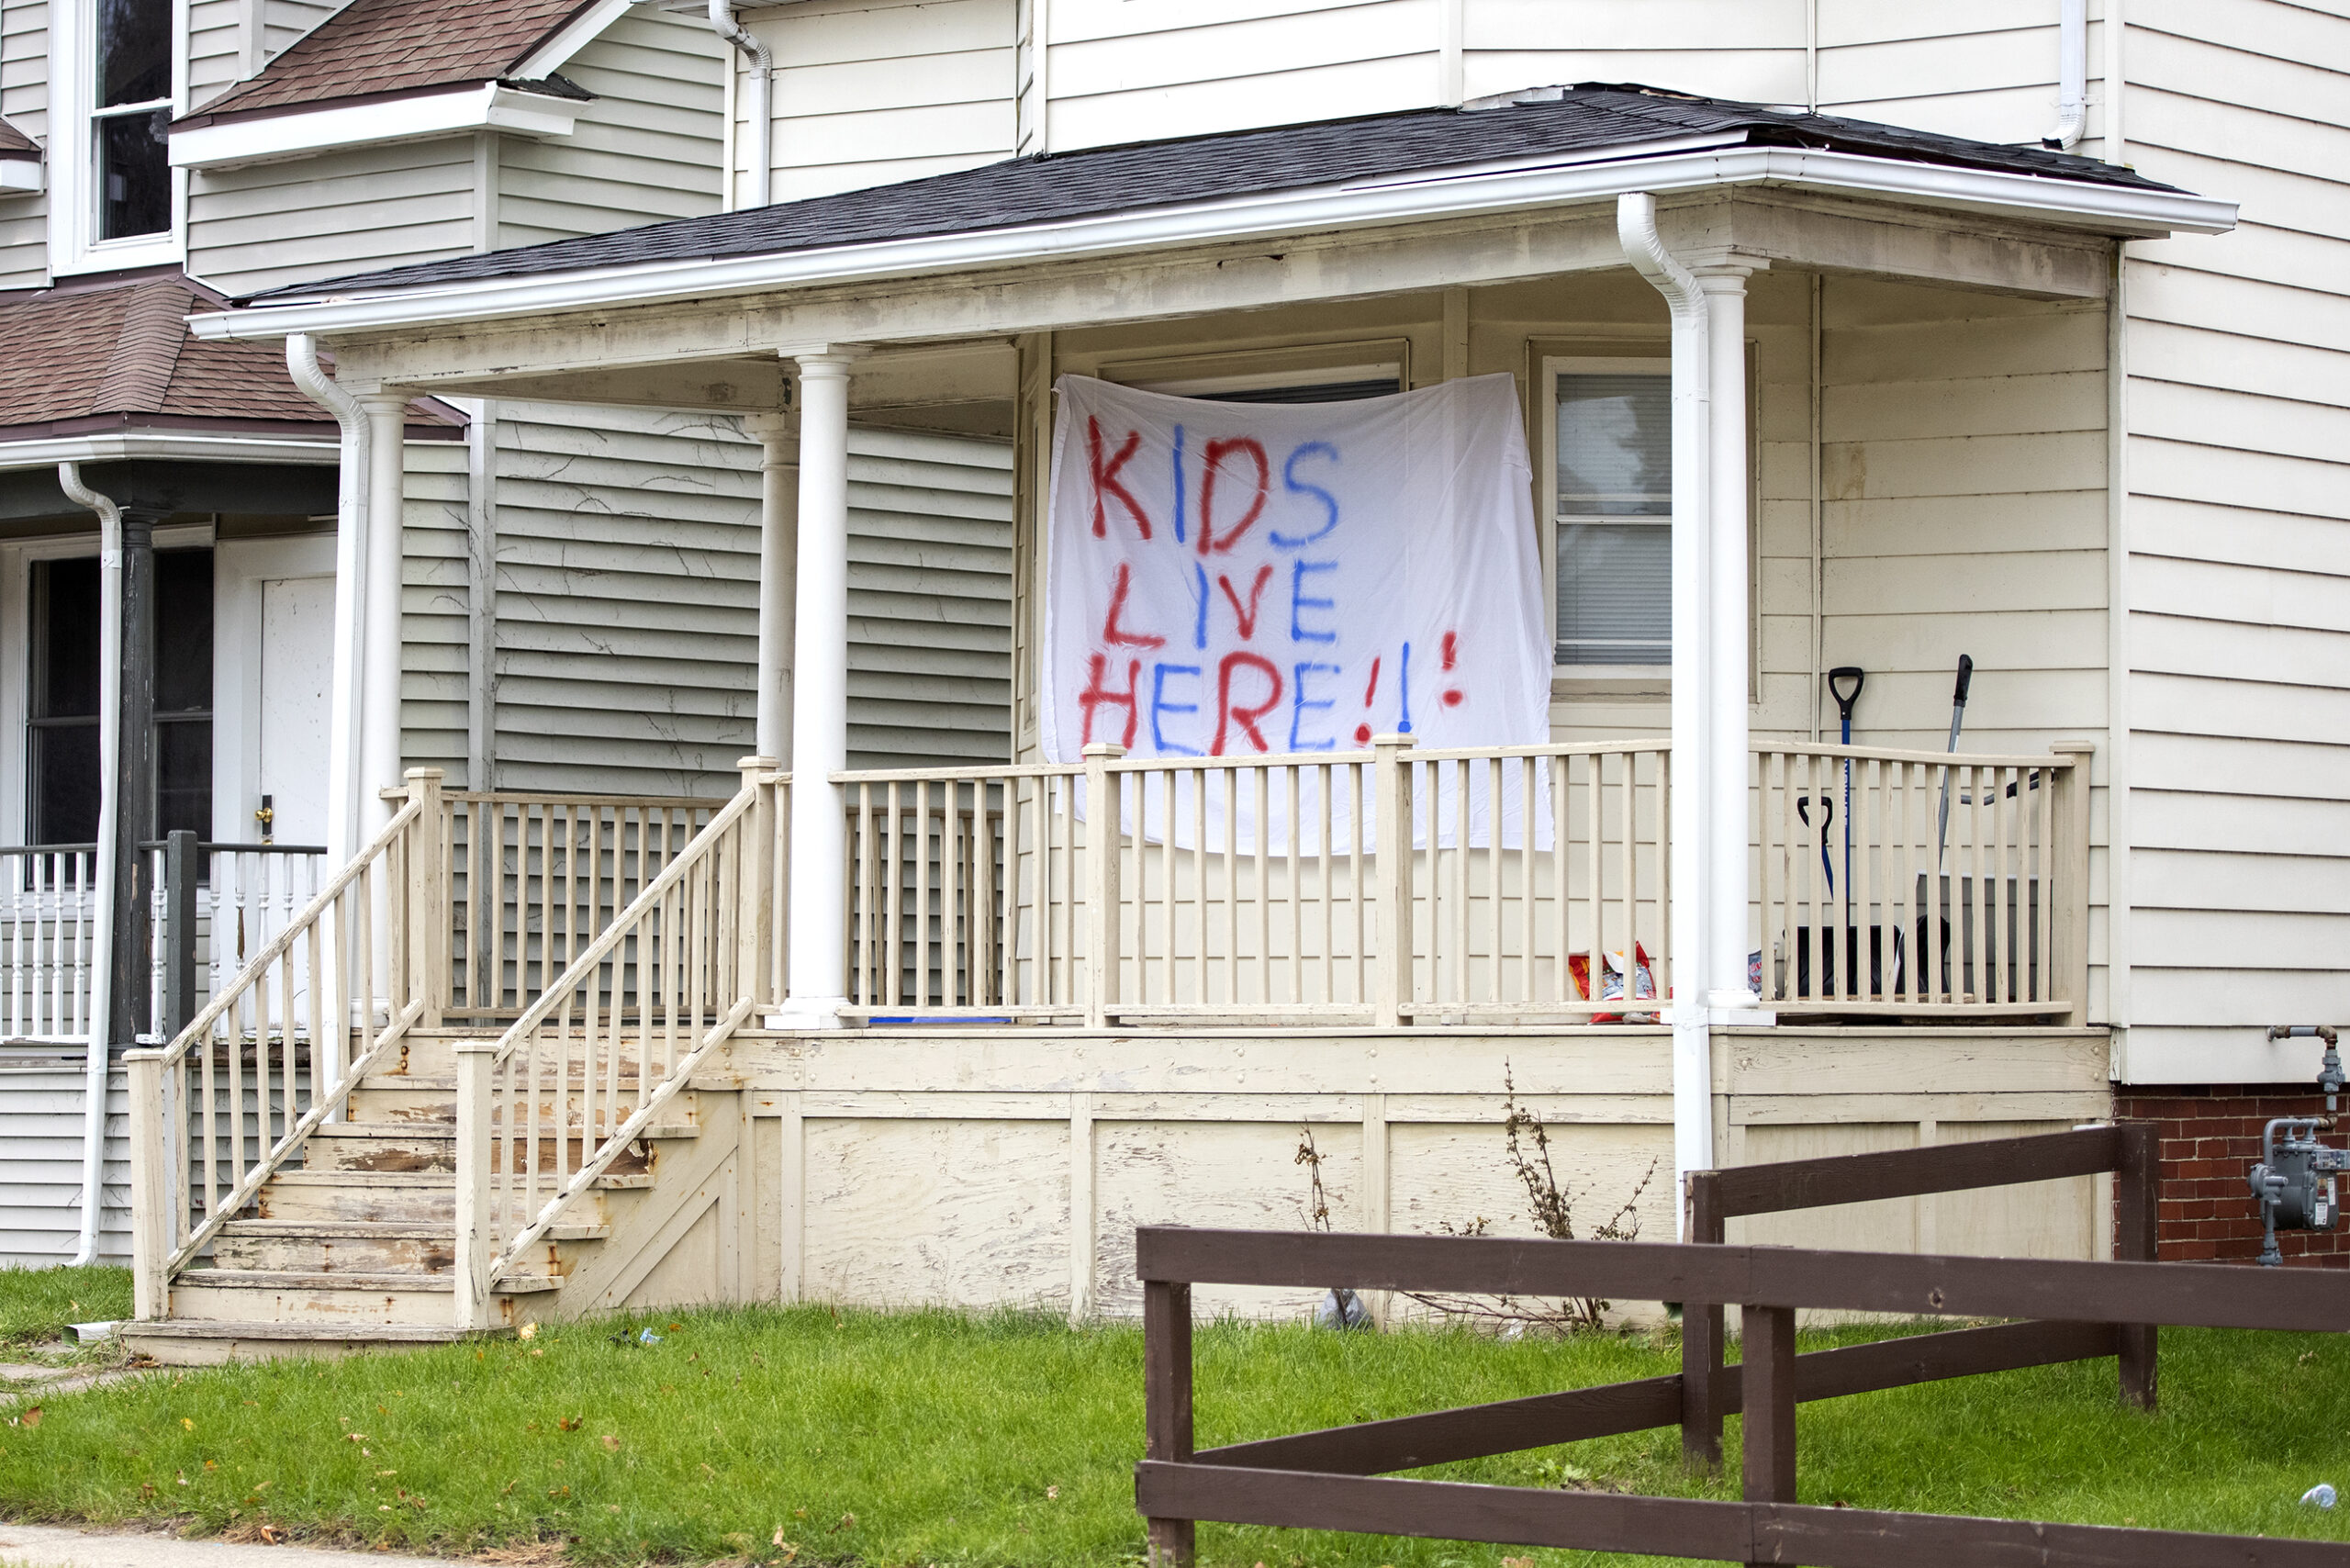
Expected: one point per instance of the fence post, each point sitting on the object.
(476, 1145)
(428, 898)
(2137, 1201)
(1167, 1403)
(181, 870)
(1768, 1419)
(150, 1185)
(1701, 1339)
(1105, 830)
(754, 920)
(1391, 869)
(2068, 900)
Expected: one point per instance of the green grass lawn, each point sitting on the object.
(36, 1304)
(934, 1437)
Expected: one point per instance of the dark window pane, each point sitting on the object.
(184, 777)
(65, 784)
(134, 174)
(1326, 392)
(65, 638)
(134, 52)
(182, 631)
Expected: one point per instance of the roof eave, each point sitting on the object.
(2121, 211)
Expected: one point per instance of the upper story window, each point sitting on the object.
(134, 107)
(113, 74)
(1611, 507)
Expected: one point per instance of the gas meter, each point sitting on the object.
(2295, 1178)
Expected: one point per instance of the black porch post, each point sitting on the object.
(134, 780)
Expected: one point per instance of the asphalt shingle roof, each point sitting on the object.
(1159, 173)
(117, 355)
(376, 48)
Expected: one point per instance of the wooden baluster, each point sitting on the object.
(1228, 780)
(1327, 820)
(1263, 826)
(1295, 826)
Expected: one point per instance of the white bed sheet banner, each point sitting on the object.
(1236, 580)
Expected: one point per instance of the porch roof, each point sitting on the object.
(1585, 122)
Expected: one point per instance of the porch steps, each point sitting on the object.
(355, 1246)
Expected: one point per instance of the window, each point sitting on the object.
(131, 112)
(1611, 502)
(66, 778)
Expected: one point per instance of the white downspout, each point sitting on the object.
(2072, 75)
(1693, 1118)
(345, 774)
(758, 105)
(94, 1093)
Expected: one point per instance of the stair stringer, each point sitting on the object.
(690, 1179)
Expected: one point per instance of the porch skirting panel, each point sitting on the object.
(1010, 1166)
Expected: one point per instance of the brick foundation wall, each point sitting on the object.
(2210, 1138)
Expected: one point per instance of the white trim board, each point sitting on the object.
(276, 138)
(1441, 194)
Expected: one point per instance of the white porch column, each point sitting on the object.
(820, 698)
(778, 577)
(379, 623)
(1728, 879)
(1693, 1107)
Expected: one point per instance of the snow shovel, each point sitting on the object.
(1845, 701)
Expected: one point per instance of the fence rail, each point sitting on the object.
(1330, 1479)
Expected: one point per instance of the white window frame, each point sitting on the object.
(1547, 509)
(16, 653)
(73, 244)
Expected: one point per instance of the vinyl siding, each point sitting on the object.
(1732, 49)
(215, 40)
(628, 600)
(2239, 575)
(1119, 71)
(649, 148)
(24, 99)
(869, 93)
(41, 1161)
(254, 228)
(285, 21)
(1985, 70)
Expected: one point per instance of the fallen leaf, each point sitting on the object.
(388, 1473)
(612, 1443)
(675, 1327)
(271, 1534)
(848, 1521)
(30, 1418)
(354, 1437)
(1052, 1494)
(187, 1423)
(1514, 1563)
(568, 1422)
(528, 1331)
(538, 1352)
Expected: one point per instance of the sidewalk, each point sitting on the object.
(50, 1546)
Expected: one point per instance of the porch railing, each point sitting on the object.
(544, 1111)
(1365, 887)
(210, 907)
(535, 878)
(358, 966)
(49, 940)
(1900, 882)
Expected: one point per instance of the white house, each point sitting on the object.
(168, 157)
(1903, 384)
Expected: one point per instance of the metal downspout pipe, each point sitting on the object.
(758, 105)
(345, 776)
(1693, 1135)
(94, 1093)
(2072, 75)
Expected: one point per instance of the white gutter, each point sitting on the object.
(2073, 204)
(274, 138)
(128, 447)
(758, 102)
(94, 1091)
(343, 774)
(2072, 75)
(1693, 629)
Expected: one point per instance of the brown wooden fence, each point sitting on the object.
(1333, 1479)
(2128, 1149)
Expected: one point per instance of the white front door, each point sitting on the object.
(297, 667)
